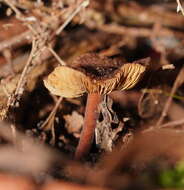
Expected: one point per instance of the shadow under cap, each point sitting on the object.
(92, 73)
(96, 66)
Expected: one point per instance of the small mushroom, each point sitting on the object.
(97, 76)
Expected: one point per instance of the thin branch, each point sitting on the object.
(179, 7)
(173, 123)
(19, 15)
(19, 88)
(52, 114)
(11, 5)
(169, 124)
(134, 31)
(179, 80)
(84, 4)
(56, 56)
(24, 72)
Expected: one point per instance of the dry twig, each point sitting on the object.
(19, 90)
(179, 80)
(84, 4)
(179, 7)
(173, 123)
(52, 114)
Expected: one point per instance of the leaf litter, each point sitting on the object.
(139, 133)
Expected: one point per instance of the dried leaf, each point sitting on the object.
(74, 122)
(104, 134)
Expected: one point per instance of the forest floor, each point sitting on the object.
(139, 135)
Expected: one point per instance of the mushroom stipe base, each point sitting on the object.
(91, 116)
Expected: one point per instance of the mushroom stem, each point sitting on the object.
(87, 134)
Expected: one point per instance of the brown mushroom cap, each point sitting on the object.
(94, 74)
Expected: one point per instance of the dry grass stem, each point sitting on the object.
(20, 16)
(52, 114)
(179, 7)
(83, 4)
(20, 86)
(56, 56)
(179, 81)
(173, 123)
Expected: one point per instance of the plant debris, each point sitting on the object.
(98, 47)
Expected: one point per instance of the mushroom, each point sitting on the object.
(97, 76)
